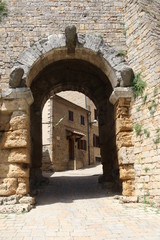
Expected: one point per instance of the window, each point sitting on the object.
(82, 144)
(95, 114)
(82, 120)
(70, 115)
(96, 141)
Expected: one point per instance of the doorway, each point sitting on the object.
(71, 148)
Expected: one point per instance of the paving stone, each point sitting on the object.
(96, 216)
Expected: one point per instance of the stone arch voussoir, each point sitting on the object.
(88, 47)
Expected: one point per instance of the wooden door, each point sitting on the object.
(71, 149)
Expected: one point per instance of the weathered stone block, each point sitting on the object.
(19, 120)
(27, 58)
(10, 200)
(16, 155)
(120, 93)
(19, 95)
(124, 139)
(14, 139)
(126, 155)
(154, 192)
(15, 208)
(11, 105)
(129, 199)
(27, 200)
(14, 170)
(8, 186)
(124, 102)
(121, 112)
(16, 77)
(123, 124)
(127, 172)
(19, 155)
(23, 186)
(128, 188)
(22, 189)
(93, 42)
(127, 76)
(71, 38)
(18, 171)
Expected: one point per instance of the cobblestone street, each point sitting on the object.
(75, 207)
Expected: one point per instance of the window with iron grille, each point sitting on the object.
(70, 115)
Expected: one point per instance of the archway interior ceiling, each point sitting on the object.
(71, 75)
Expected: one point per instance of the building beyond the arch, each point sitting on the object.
(70, 134)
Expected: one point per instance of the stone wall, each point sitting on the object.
(124, 133)
(14, 144)
(29, 22)
(142, 23)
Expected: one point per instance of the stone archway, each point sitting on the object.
(84, 77)
(70, 61)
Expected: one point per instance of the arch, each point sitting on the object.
(88, 48)
(92, 67)
(73, 74)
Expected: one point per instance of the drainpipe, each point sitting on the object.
(88, 131)
(74, 161)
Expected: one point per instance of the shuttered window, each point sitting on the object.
(82, 144)
(82, 120)
(70, 115)
(96, 141)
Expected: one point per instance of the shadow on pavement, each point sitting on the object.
(66, 189)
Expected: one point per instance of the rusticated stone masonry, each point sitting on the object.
(124, 132)
(14, 144)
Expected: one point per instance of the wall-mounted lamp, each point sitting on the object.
(94, 122)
